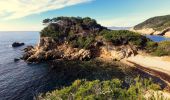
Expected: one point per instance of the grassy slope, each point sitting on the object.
(97, 80)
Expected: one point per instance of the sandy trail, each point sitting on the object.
(161, 64)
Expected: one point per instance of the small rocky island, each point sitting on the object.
(89, 55)
(17, 44)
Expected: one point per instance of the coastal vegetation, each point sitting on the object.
(104, 90)
(96, 80)
(81, 32)
(158, 49)
(162, 49)
(123, 37)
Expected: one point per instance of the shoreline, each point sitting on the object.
(150, 31)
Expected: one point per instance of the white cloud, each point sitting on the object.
(120, 22)
(12, 9)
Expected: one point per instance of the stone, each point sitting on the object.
(17, 44)
(28, 48)
(16, 59)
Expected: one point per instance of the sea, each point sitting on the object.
(22, 81)
(19, 80)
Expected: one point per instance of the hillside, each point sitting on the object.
(159, 25)
(74, 38)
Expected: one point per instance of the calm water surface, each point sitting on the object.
(157, 38)
(18, 80)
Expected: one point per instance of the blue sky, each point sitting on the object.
(27, 15)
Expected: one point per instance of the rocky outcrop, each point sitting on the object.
(17, 44)
(48, 49)
(117, 52)
(74, 38)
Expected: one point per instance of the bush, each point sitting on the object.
(89, 22)
(51, 31)
(151, 46)
(80, 32)
(103, 90)
(163, 49)
(82, 42)
(124, 37)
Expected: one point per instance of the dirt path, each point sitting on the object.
(158, 66)
(161, 64)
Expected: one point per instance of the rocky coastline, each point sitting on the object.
(48, 50)
(72, 38)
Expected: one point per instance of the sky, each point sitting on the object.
(27, 15)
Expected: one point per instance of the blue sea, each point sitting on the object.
(157, 38)
(22, 81)
(18, 80)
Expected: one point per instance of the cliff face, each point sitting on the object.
(154, 26)
(48, 50)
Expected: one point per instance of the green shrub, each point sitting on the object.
(88, 21)
(151, 46)
(82, 42)
(163, 49)
(124, 37)
(51, 31)
(103, 90)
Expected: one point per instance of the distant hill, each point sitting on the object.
(159, 25)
